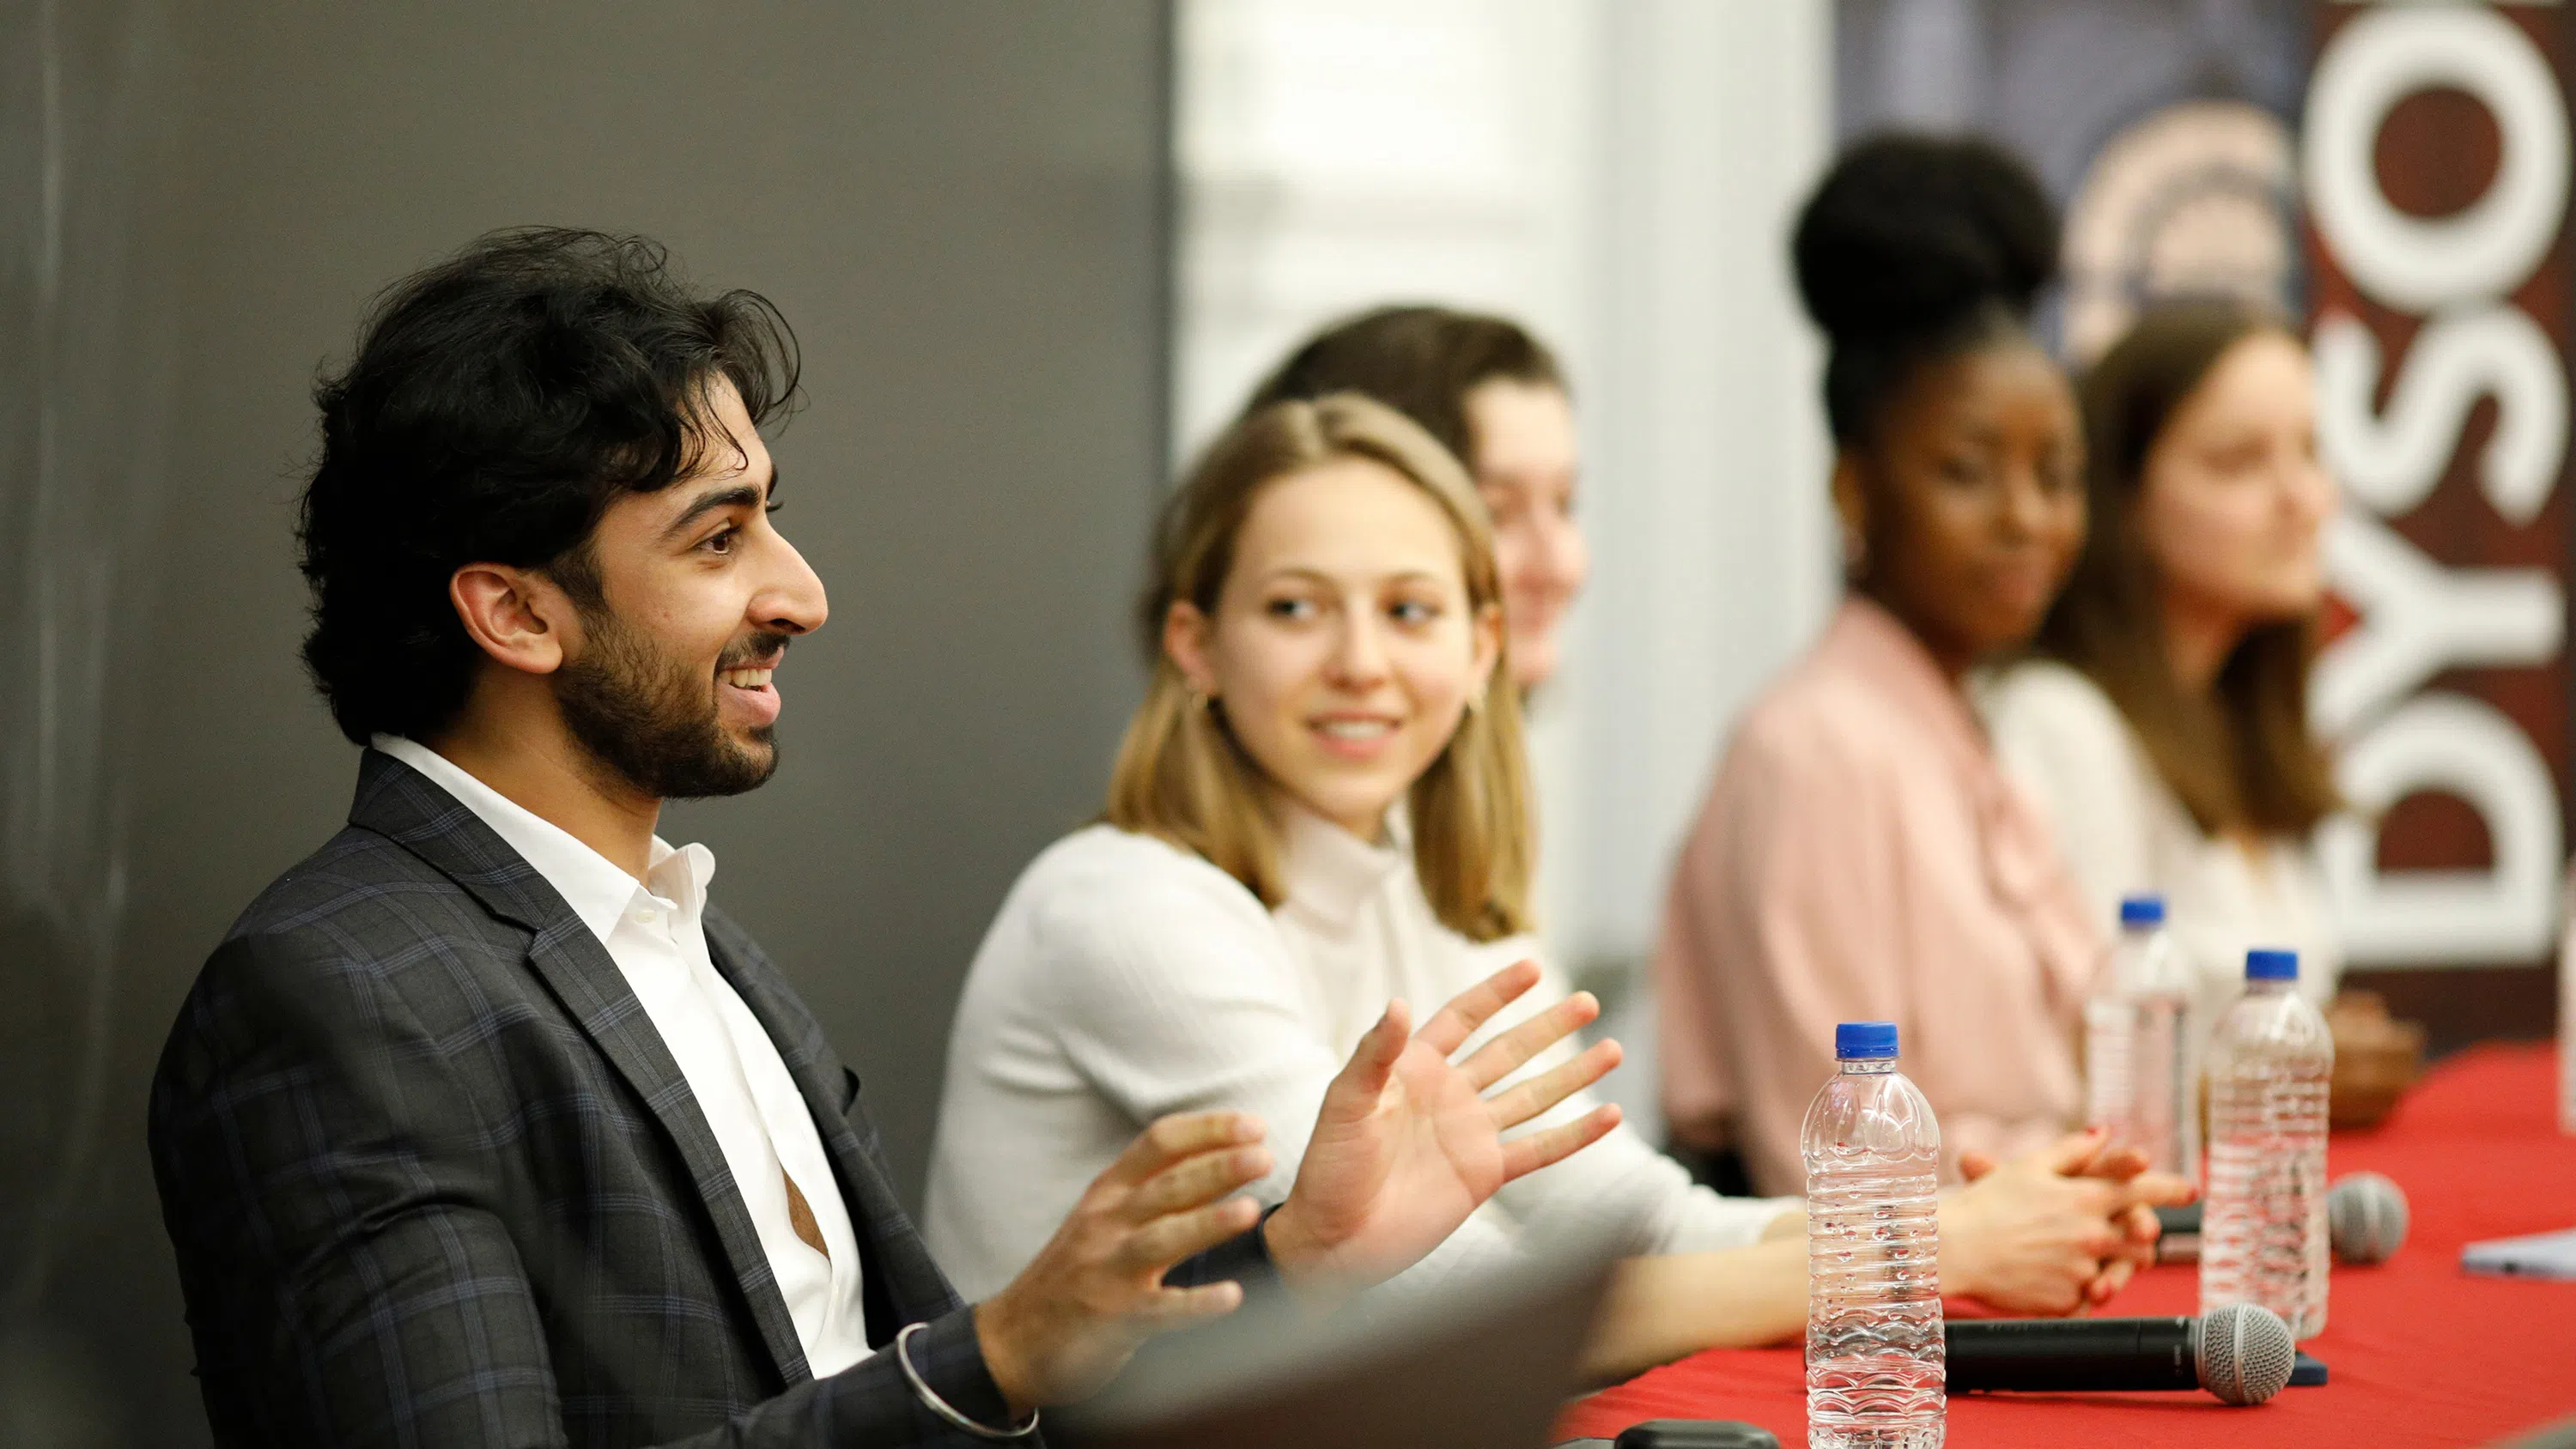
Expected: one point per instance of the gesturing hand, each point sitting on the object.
(1078, 1311)
(2055, 1231)
(1407, 1145)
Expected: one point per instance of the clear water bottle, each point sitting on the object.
(2138, 1078)
(1875, 1363)
(2263, 1224)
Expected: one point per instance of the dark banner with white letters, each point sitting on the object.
(2433, 162)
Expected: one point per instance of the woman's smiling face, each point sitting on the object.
(1343, 648)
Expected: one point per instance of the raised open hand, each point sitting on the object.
(1072, 1318)
(2055, 1231)
(1407, 1144)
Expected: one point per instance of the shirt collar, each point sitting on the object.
(1332, 873)
(1872, 643)
(2021, 860)
(596, 889)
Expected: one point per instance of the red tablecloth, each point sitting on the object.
(2419, 1352)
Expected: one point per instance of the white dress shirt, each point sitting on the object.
(2123, 831)
(1126, 978)
(654, 930)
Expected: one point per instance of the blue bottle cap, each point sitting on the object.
(2142, 910)
(1865, 1041)
(2263, 965)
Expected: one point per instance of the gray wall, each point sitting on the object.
(960, 208)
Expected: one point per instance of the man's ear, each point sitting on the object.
(1185, 643)
(518, 617)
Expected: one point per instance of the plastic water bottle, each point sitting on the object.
(2263, 1235)
(2138, 1079)
(1875, 1363)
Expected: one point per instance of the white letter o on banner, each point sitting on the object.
(2410, 262)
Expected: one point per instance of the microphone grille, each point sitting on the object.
(2245, 1352)
(2366, 1218)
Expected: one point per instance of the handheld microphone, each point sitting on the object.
(2240, 1352)
(2365, 1219)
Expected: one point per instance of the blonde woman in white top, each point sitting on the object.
(1321, 805)
(2163, 722)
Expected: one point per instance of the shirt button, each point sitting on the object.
(648, 915)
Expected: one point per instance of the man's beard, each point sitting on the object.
(653, 722)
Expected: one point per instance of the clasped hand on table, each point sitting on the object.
(2056, 1231)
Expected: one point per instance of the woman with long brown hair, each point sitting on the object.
(1319, 805)
(2162, 718)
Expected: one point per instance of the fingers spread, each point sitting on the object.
(1169, 1308)
(1529, 1153)
(1473, 1007)
(1356, 1087)
(1528, 1099)
(1155, 1247)
(1504, 1055)
(1194, 1181)
(1183, 1134)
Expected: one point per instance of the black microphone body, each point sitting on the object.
(2241, 1352)
(2067, 1354)
(2178, 1233)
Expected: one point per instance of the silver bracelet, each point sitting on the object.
(940, 1406)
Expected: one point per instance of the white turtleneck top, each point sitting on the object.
(1126, 978)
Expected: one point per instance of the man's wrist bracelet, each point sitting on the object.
(930, 1398)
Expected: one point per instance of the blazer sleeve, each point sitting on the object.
(350, 1282)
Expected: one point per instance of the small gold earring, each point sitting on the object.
(1476, 702)
(1200, 701)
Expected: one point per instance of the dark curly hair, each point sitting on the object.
(498, 403)
(1916, 248)
(1420, 360)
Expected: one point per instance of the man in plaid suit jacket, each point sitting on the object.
(437, 1174)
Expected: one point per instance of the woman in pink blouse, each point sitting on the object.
(1861, 855)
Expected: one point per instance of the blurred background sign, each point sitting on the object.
(2397, 174)
(2434, 155)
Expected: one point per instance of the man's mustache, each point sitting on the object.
(760, 651)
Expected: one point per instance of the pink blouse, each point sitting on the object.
(1862, 857)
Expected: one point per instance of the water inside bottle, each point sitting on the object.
(1876, 1364)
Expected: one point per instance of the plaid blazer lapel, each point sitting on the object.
(898, 1262)
(400, 804)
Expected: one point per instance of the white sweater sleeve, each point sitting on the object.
(2063, 741)
(1169, 997)
(1170, 993)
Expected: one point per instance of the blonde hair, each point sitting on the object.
(1181, 774)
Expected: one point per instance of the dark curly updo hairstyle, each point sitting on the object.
(1421, 361)
(498, 403)
(1913, 249)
